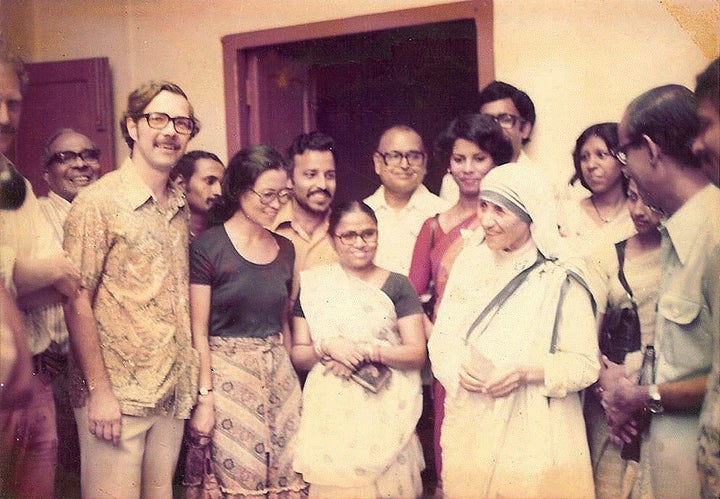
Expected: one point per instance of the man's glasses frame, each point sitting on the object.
(506, 120)
(182, 124)
(282, 196)
(63, 157)
(394, 158)
(621, 152)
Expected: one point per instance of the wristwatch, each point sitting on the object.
(654, 400)
(204, 391)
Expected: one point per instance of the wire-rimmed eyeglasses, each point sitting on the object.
(266, 198)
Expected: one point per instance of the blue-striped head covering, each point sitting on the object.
(522, 190)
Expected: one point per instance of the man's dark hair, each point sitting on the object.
(186, 165)
(499, 90)
(313, 141)
(708, 83)
(142, 96)
(668, 115)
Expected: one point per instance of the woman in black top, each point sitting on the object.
(240, 281)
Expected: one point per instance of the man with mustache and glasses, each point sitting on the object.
(305, 220)
(133, 371)
(34, 269)
(401, 203)
(199, 174)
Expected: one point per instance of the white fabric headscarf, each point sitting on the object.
(526, 193)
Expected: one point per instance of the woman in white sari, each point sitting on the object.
(353, 442)
(513, 419)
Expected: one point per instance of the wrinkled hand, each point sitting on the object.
(625, 432)
(203, 416)
(345, 351)
(621, 402)
(609, 376)
(497, 385)
(103, 410)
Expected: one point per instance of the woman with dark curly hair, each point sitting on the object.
(471, 146)
(602, 216)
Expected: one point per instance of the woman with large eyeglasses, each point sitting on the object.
(249, 399)
(471, 146)
(603, 216)
(358, 440)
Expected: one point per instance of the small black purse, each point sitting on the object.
(620, 331)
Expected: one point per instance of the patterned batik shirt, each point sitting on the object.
(133, 258)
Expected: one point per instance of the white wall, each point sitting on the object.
(581, 61)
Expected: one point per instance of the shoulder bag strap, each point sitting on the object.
(620, 249)
(505, 293)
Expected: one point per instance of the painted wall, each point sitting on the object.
(581, 61)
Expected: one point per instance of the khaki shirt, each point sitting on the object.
(310, 250)
(133, 257)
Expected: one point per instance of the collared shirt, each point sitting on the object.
(133, 258)
(48, 322)
(688, 314)
(24, 232)
(398, 229)
(310, 250)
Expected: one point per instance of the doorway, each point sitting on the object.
(422, 68)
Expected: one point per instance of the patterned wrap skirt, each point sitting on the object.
(257, 414)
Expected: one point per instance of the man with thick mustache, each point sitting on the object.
(134, 375)
(401, 203)
(199, 174)
(305, 220)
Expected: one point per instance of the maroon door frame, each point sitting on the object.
(235, 65)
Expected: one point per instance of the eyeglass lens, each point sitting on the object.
(181, 124)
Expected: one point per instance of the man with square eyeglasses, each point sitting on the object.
(134, 375)
(514, 111)
(401, 203)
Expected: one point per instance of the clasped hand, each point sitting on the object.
(343, 356)
(494, 384)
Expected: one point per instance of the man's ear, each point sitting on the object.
(526, 129)
(131, 125)
(379, 163)
(46, 175)
(180, 182)
(653, 148)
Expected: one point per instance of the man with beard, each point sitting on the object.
(305, 220)
(133, 371)
(199, 174)
(401, 203)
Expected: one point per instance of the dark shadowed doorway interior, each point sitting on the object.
(352, 78)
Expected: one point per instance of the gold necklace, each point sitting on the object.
(613, 217)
